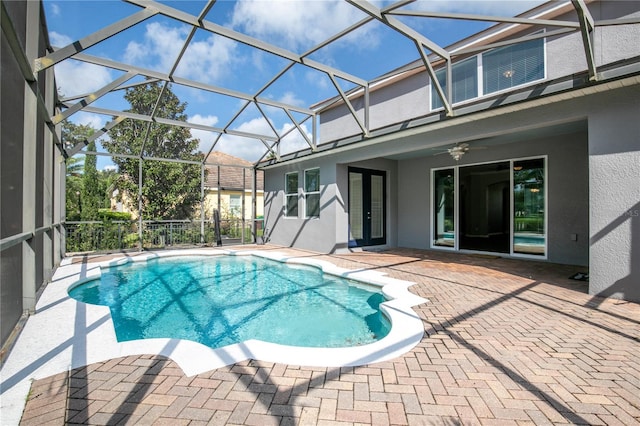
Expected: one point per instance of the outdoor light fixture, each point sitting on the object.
(458, 151)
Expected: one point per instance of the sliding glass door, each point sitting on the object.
(493, 207)
(484, 207)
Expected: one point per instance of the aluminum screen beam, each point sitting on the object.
(398, 26)
(487, 18)
(92, 97)
(586, 30)
(185, 82)
(103, 34)
(347, 102)
(312, 144)
(444, 97)
(178, 123)
(80, 146)
(245, 39)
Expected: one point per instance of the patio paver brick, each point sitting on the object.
(506, 342)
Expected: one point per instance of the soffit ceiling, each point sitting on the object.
(253, 80)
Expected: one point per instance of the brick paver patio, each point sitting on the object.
(506, 342)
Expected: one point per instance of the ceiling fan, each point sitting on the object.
(458, 150)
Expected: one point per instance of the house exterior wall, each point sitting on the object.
(567, 198)
(593, 180)
(330, 232)
(614, 186)
(565, 56)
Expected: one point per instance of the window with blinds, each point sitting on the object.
(502, 68)
(513, 65)
(465, 82)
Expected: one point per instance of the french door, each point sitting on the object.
(367, 207)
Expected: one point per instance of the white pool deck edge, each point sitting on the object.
(65, 334)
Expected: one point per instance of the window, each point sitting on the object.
(465, 82)
(513, 65)
(291, 195)
(235, 205)
(312, 192)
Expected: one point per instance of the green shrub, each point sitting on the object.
(107, 214)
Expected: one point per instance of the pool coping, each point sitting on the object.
(65, 334)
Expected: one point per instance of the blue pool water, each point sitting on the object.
(221, 300)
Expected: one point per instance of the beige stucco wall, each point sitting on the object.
(211, 203)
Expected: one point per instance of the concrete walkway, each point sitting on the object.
(506, 342)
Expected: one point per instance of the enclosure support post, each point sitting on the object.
(202, 204)
(254, 204)
(244, 186)
(219, 207)
(29, 161)
(140, 203)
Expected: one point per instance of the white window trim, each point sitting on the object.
(286, 196)
(305, 193)
(511, 253)
(480, 75)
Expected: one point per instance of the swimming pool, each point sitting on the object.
(223, 300)
(94, 328)
(65, 334)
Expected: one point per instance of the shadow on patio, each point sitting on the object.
(507, 341)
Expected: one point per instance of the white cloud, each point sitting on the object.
(75, 78)
(290, 98)
(59, 40)
(110, 167)
(252, 150)
(208, 60)
(294, 141)
(55, 9)
(87, 119)
(295, 24)
(204, 60)
(206, 138)
(207, 120)
(159, 47)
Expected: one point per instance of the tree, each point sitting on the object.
(73, 134)
(87, 188)
(170, 190)
(92, 196)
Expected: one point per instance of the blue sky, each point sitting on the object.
(294, 25)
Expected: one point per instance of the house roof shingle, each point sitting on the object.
(231, 172)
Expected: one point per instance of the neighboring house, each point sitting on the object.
(541, 156)
(228, 187)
